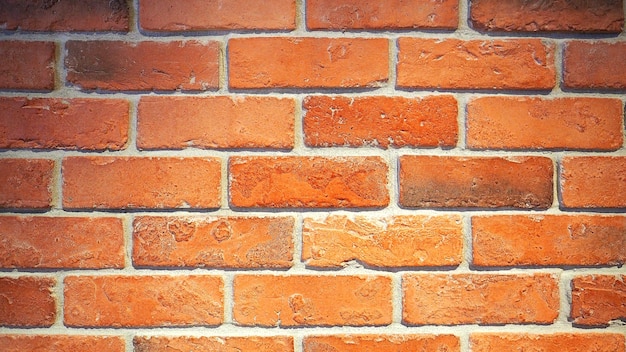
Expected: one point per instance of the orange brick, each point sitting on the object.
(61, 242)
(594, 65)
(102, 182)
(143, 66)
(27, 65)
(77, 124)
(559, 342)
(396, 241)
(214, 344)
(200, 15)
(438, 299)
(27, 302)
(475, 64)
(475, 182)
(307, 62)
(224, 242)
(64, 15)
(548, 16)
(381, 343)
(143, 301)
(286, 301)
(536, 123)
(593, 182)
(308, 182)
(597, 300)
(26, 183)
(380, 121)
(552, 240)
(60, 343)
(215, 122)
(386, 14)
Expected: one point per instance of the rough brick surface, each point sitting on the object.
(437, 299)
(143, 301)
(307, 62)
(224, 242)
(61, 242)
(556, 15)
(125, 66)
(475, 64)
(598, 300)
(215, 122)
(213, 344)
(552, 240)
(594, 65)
(475, 182)
(201, 15)
(64, 15)
(60, 343)
(560, 342)
(536, 123)
(26, 183)
(27, 302)
(381, 343)
(140, 182)
(398, 241)
(295, 300)
(82, 124)
(308, 182)
(380, 121)
(387, 14)
(593, 182)
(27, 65)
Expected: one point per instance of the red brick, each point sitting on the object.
(556, 15)
(289, 301)
(200, 15)
(308, 182)
(224, 242)
(553, 240)
(476, 64)
(61, 242)
(560, 342)
(143, 301)
(438, 299)
(214, 344)
(594, 65)
(102, 182)
(26, 183)
(27, 65)
(381, 343)
(386, 14)
(124, 66)
(307, 62)
(381, 121)
(536, 123)
(593, 182)
(64, 15)
(598, 300)
(475, 182)
(396, 241)
(215, 122)
(27, 302)
(77, 124)
(60, 343)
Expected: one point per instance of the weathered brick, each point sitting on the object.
(27, 65)
(214, 344)
(380, 121)
(598, 300)
(289, 301)
(475, 182)
(60, 343)
(224, 242)
(61, 242)
(215, 122)
(524, 64)
(27, 302)
(143, 301)
(560, 342)
(536, 123)
(438, 299)
(309, 182)
(102, 182)
(594, 65)
(143, 66)
(26, 183)
(307, 62)
(395, 241)
(593, 182)
(77, 124)
(381, 343)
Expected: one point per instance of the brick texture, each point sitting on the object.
(26, 183)
(593, 182)
(213, 344)
(60, 343)
(547, 343)
(594, 65)
(598, 300)
(383, 343)
(27, 65)
(27, 302)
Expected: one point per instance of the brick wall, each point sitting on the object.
(319, 175)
